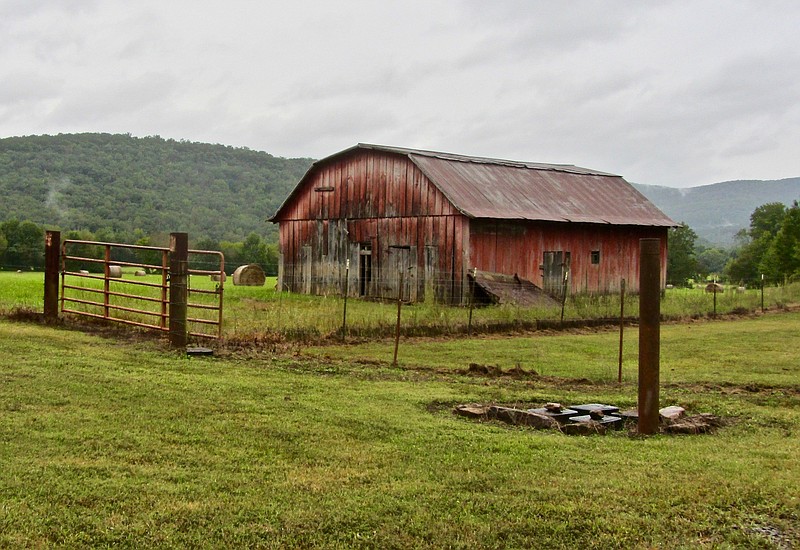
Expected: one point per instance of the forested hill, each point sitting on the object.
(122, 188)
(717, 211)
(120, 184)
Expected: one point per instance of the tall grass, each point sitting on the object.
(256, 311)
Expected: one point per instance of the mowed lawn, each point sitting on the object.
(119, 442)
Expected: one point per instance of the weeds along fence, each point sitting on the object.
(89, 286)
(252, 312)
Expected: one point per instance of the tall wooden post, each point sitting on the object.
(52, 251)
(178, 288)
(649, 333)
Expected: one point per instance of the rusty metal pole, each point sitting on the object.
(52, 260)
(715, 296)
(107, 282)
(621, 326)
(397, 327)
(178, 288)
(471, 299)
(649, 333)
(564, 295)
(346, 292)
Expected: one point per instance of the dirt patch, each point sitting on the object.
(729, 388)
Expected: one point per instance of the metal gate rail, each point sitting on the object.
(70, 276)
(218, 291)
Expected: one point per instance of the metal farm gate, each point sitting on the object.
(144, 286)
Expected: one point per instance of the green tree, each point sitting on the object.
(25, 244)
(681, 258)
(782, 258)
(755, 254)
(766, 220)
(711, 261)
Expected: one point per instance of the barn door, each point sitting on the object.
(554, 268)
(400, 261)
(305, 269)
(429, 276)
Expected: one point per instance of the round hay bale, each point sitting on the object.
(140, 273)
(84, 271)
(115, 271)
(249, 275)
(216, 278)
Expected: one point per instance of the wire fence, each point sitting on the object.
(256, 313)
(332, 315)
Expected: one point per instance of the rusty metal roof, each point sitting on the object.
(504, 189)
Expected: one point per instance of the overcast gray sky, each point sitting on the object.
(678, 93)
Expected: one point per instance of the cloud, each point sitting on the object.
(665, 92)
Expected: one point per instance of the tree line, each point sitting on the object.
(768, 248)
(22, 248)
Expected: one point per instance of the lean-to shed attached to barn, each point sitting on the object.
(436, 216)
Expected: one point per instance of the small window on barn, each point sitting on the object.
(595, 257)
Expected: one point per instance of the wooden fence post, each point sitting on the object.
(178, 288)
(52, 252)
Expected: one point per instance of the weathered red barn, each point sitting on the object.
(434, 217)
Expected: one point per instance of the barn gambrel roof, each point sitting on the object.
(510, 190)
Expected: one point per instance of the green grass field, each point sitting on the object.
(118, 441)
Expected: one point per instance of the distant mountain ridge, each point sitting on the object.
(154, 185)
(717, 211)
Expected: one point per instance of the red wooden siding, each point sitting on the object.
(519, 247)
(384, 201)
(368, 185)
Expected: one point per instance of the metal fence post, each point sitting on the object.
(397, 327)
(346, 292)
(178, 288)
(471, 299)
(715, 296)
(564, 295)
(52, 251)
(649, 333)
